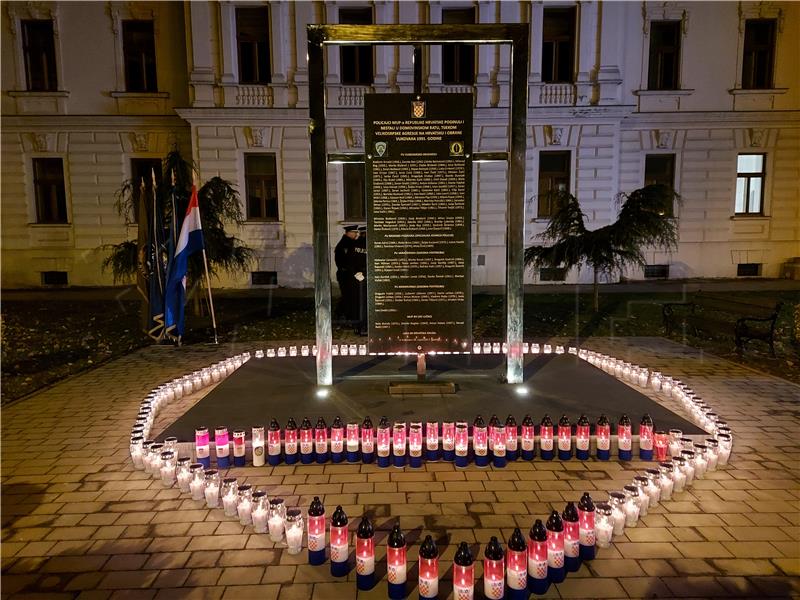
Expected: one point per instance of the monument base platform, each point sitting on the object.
(280, 388)
(425, 388)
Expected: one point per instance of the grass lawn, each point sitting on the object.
(45, 341)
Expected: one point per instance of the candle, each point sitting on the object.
(137, 452)
(604, 525)
(512, 438)
(306, 442)
(383, 442)
(260, 511)
(586, 522)
(517, 566)
(571, 537)
(340, 549)
(398, 444)
(168, 465)
(646, 438)
(432, 440)
(448, 440)
(337, 440)
(294, 531)
(153, 465)
(352, 435)
(644, 497)
(212, 488)
(700, 461)
(415, 445)
(222, 447)
(725, 444)
(258, 446)
(462, 444)
(555, 548)
(184, 474)
(603, 433)
(428, 569)
(244, 504)
(632, 505)
(653, 485)
(679, 475)
(493, 568)
(537, 558)
(564, 438)
(499, 446)
(277, 515)
(321, 440)
(230, 496)
(367, 440)
(661, 444)
(197, 484)
(624, 443)
(546, 438)
(665, 480)
(688, 465)
(396, 572)
(316, 532)
(365, 555)
(528, 438)
(618, 512)
(202, 446)
(463, 573)
(582, 438)
(480, 442)
(290, 445)
(713, 453)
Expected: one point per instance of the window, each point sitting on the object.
(656, 271)
(558, 45)
(252, 36)
(659, 169)
(354, 201)
(264, 277)
(552, 274)
(139, 50)
(458, 60)
(48, 185)
(262, 187)
(356, 61)
(142, 170)
(554, 170)
(748, 270)
(759, 54)
(39, 48)
(750, 173)
(665, 55)
(55, 278)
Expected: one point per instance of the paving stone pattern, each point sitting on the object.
(79, 522)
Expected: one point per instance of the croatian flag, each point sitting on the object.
(190, 241)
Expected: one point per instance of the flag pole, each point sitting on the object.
(208, 285)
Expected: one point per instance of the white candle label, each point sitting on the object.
(352, 446)
(428, 587)
(316, 541)
(367, 447)
(305, 447)
(527, 445)
(339, 553)
(494, 589)
(382, 450)
(365, 565)
(337, 446)
(645, 443)
(619, 521)
(415, 452)
(321, 447)
(537, 568)
(624, 443)
(582, 443)
(432, 444)
(517, 580)
(480, 451)
(511, 444)
(563, 443)
(461, 592)
(396, 573)
(547, 444)
(603, 535)
(202, 451)
(571, 548)
(273, 449)
(223, 451)
(555, 558)
(587, 537)
(291, 448)
(603, 443)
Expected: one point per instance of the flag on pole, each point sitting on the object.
(155, 265)
(190, 241)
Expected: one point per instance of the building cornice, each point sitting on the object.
(90, 122)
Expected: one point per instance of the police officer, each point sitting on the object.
(343, 255)
(360, 270)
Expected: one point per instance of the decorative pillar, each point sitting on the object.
(201, 77)
(587, 53)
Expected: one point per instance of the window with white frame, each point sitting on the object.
(750, 177)
(554, 176)
(558, 45)
(261, 182)
(252, 38)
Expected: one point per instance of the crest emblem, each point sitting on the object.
(380, 148)
(418, 109)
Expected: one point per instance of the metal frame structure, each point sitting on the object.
(418, 35)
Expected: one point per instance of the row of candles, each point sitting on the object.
(361, 350)
(402, 444)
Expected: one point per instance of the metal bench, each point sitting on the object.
(747, 319)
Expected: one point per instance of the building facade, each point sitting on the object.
(702, 96)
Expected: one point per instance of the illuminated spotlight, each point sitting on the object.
(521, 390)
(323, 393)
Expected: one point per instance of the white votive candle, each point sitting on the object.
(294, 538)
(603, 532)
(184, 477)
(244, 509)
(260, 520)
(212, 495)
(196, 489)
(229, 502)
(276, 528)
(168, 475)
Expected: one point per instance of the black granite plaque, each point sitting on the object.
(419, 188)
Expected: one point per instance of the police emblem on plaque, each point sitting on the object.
(380, 148)
(418, 109)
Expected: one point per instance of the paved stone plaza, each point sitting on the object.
(79, 521)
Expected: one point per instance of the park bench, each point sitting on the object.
(747, 319)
